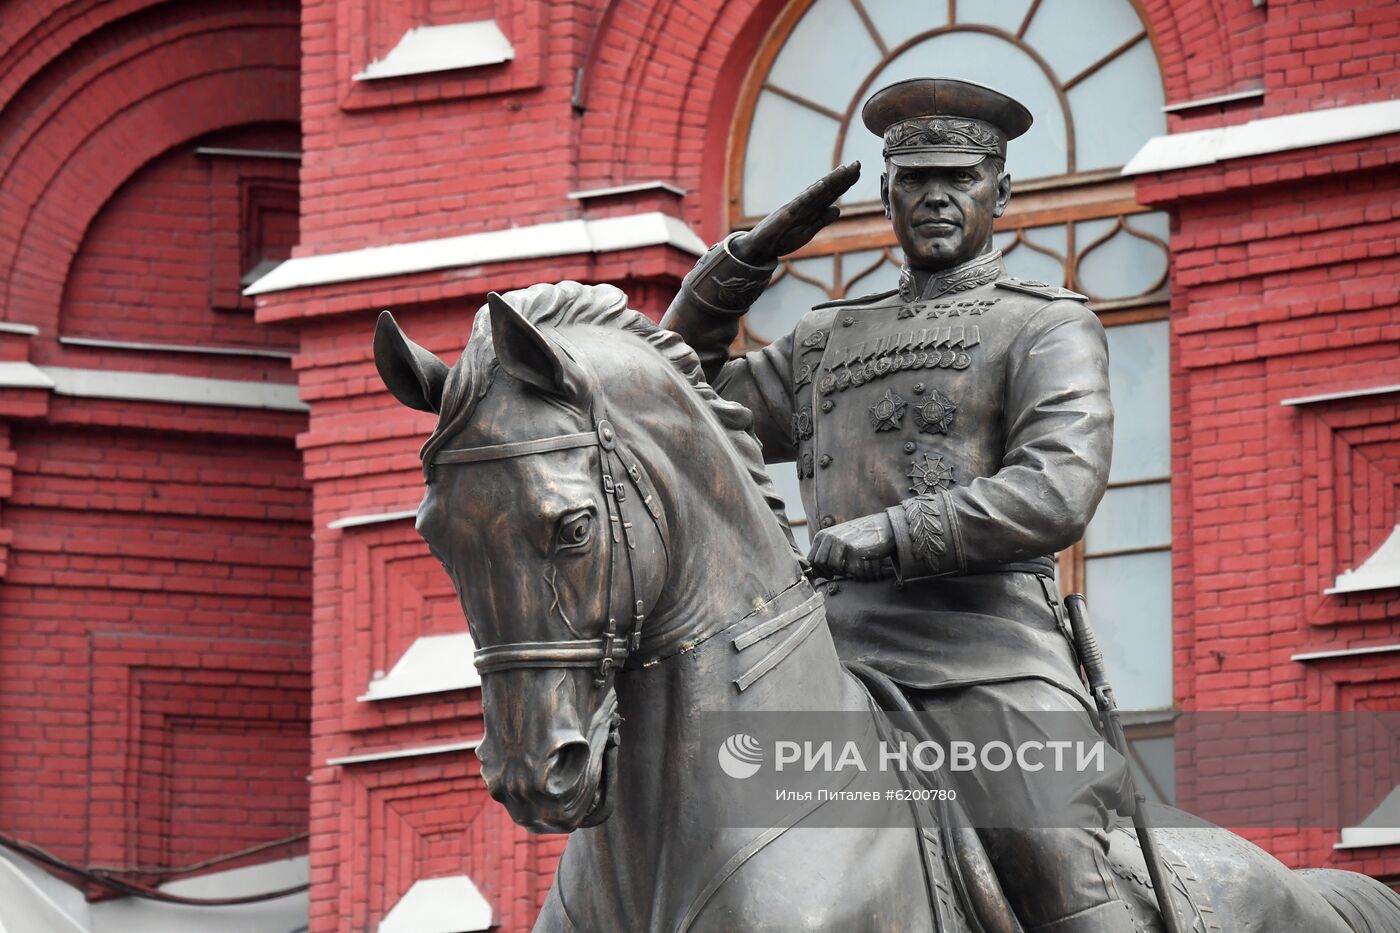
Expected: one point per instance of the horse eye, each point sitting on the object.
(576, 531)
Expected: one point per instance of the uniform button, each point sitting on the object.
(828, 405)
(918, 388)
(828, 521)
(832, 589)
(908, 447)
(825, 460)
(847, 321)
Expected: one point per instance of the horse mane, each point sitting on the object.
(567, 303)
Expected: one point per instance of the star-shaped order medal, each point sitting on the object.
(928, 474)
(886, 413)
(935, 416)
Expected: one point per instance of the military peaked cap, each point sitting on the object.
(943, 122)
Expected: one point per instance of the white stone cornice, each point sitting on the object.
(634, 188)
(1266, 135)
(374, 518)
(19, 375)
(563, 238)
(166, 387)
(145, 347)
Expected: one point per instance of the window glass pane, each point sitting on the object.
(860, 279)
(1141, 403)
(1154, 768)
(861, 144)
(1124, 265)
(897, 23)
(784, 476)
(1073, 34)
(826, 56)
(1117, 109)
(778, 309)
(789, 148)
(1006, 15)
(1130, 604)
(1131, 518)
(1026, 262)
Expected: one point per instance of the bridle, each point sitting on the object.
(615, 464)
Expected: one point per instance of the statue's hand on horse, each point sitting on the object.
(793, 225)
(856, 548)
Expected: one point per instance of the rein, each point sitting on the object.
(611, 651)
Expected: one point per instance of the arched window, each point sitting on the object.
(1088, 72)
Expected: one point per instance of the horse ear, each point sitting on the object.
(528, 355)
(414, 375)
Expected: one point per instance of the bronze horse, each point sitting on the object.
(624, 564)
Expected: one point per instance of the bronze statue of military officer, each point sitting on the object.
(951, 436)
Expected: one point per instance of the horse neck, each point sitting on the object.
(728, 556)
(667, 835)
(727, 551)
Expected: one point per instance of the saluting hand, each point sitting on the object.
(793, 225)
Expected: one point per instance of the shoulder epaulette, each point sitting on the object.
(1040, 289)
(862, 300)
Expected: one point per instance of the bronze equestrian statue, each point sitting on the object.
(951, 436)
(623, 563)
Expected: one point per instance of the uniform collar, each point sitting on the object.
(985, 268)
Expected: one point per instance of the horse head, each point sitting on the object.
(543, 505)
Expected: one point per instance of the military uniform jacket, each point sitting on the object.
(976, 415)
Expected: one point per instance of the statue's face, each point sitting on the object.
(943, 216)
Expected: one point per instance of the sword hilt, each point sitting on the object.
(1085, 643)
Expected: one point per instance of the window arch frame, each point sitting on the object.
(1066, 198)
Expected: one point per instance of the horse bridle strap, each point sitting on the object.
(609, 652)
(540, 445)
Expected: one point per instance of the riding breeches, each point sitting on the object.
(1043, 827)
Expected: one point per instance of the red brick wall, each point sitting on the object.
(1284, 285)
(1322, 53)
(155, 596)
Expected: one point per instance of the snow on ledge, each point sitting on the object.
(562, 238)
(1380, 571)
(430, 49)
(432, 664)
(439, 905)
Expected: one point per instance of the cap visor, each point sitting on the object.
(931, 158)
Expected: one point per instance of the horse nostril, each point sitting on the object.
(566, 768)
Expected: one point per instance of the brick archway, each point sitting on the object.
(109, 104)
